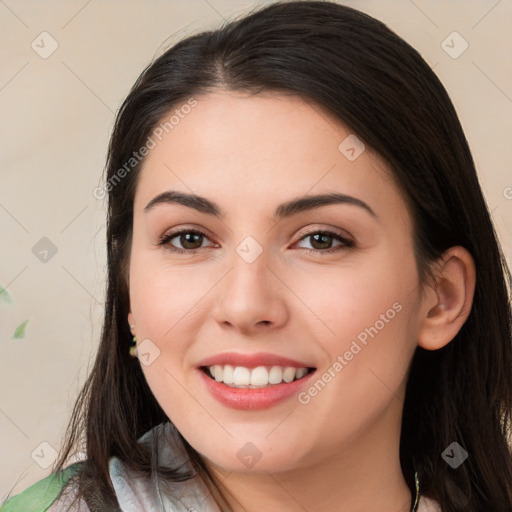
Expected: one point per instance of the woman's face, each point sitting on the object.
(267, 296)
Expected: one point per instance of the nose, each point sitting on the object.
(251, 297)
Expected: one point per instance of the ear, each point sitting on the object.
(448, 303)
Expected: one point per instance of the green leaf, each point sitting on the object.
(4, 295)
(20, 330)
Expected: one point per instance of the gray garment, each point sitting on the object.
(151, 494)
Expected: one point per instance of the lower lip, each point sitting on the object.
(256, 398)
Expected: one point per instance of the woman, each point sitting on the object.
(368, 369)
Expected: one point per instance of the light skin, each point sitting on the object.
(249, 154)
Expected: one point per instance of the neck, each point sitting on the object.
(365, 475)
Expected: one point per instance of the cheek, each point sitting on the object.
(168, 304)
(361, 317)
(346, 299)
(164, 296)
(162, 300)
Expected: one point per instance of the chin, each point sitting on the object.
(252, 456)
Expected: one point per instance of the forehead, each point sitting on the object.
(250, 149)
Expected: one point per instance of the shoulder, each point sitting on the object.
(46, 495)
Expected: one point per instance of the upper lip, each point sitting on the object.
(252, 360)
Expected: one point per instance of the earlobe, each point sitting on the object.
(447, 306)
(131, 322)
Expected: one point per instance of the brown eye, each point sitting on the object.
(322, 242)
(190, 240)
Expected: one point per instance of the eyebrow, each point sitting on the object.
(284, 210)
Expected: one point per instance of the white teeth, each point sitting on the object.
(275, 376)
(300, 373)
(218, 373)
(289, 374)
(228, 377)
(241, 376)
(259, 376)
(262, 376)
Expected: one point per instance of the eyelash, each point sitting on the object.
(346, 244)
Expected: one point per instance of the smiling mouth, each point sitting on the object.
(254, 378)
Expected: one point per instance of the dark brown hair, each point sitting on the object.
(382, 89)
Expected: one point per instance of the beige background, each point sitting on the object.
(56, 117)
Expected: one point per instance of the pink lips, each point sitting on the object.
(256, 398)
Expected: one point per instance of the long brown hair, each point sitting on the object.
(384, 91)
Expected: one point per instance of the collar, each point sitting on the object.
(137, 492)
